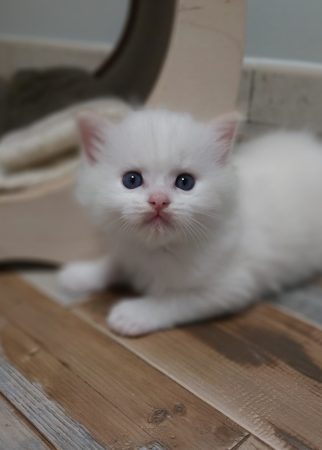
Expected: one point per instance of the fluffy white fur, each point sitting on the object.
(251, 224)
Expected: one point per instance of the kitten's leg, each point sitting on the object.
(87, 276)
(143, 315)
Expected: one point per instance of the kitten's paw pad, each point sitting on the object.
(133, 318)
(79, 278)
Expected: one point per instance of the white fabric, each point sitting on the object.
(42, 151)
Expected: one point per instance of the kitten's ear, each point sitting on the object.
(225, 128)
(93, 129)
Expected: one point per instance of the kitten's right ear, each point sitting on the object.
(93, 131)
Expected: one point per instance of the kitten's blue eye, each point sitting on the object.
(132, 180)
(185, 181)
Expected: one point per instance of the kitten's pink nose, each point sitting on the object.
(159, 201)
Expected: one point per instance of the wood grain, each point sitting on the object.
(168, 413)
(86, 407)
(15, 434)
(263, 369)
(48, 417)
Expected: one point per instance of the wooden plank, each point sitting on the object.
(170, 414)
(81, 403)
(45, 414)
(15, 434)
(263, 369)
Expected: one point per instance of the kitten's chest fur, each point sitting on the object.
(163, 269)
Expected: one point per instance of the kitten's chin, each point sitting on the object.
(157, 231)
(154, 232)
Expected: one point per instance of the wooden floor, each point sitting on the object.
(252, 382)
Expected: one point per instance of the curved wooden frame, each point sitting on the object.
(146, 38)
(200, 74)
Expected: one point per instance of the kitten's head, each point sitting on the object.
(158, 176)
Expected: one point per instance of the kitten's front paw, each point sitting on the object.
(82, 277)
(135, 317)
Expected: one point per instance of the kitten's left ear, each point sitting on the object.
(225, 128)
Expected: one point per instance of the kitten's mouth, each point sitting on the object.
(158, 220)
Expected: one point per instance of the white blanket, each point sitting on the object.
(48, 148)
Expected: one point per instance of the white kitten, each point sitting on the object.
(197, 232)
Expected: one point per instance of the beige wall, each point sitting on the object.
(285, 29)
(97, 21)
